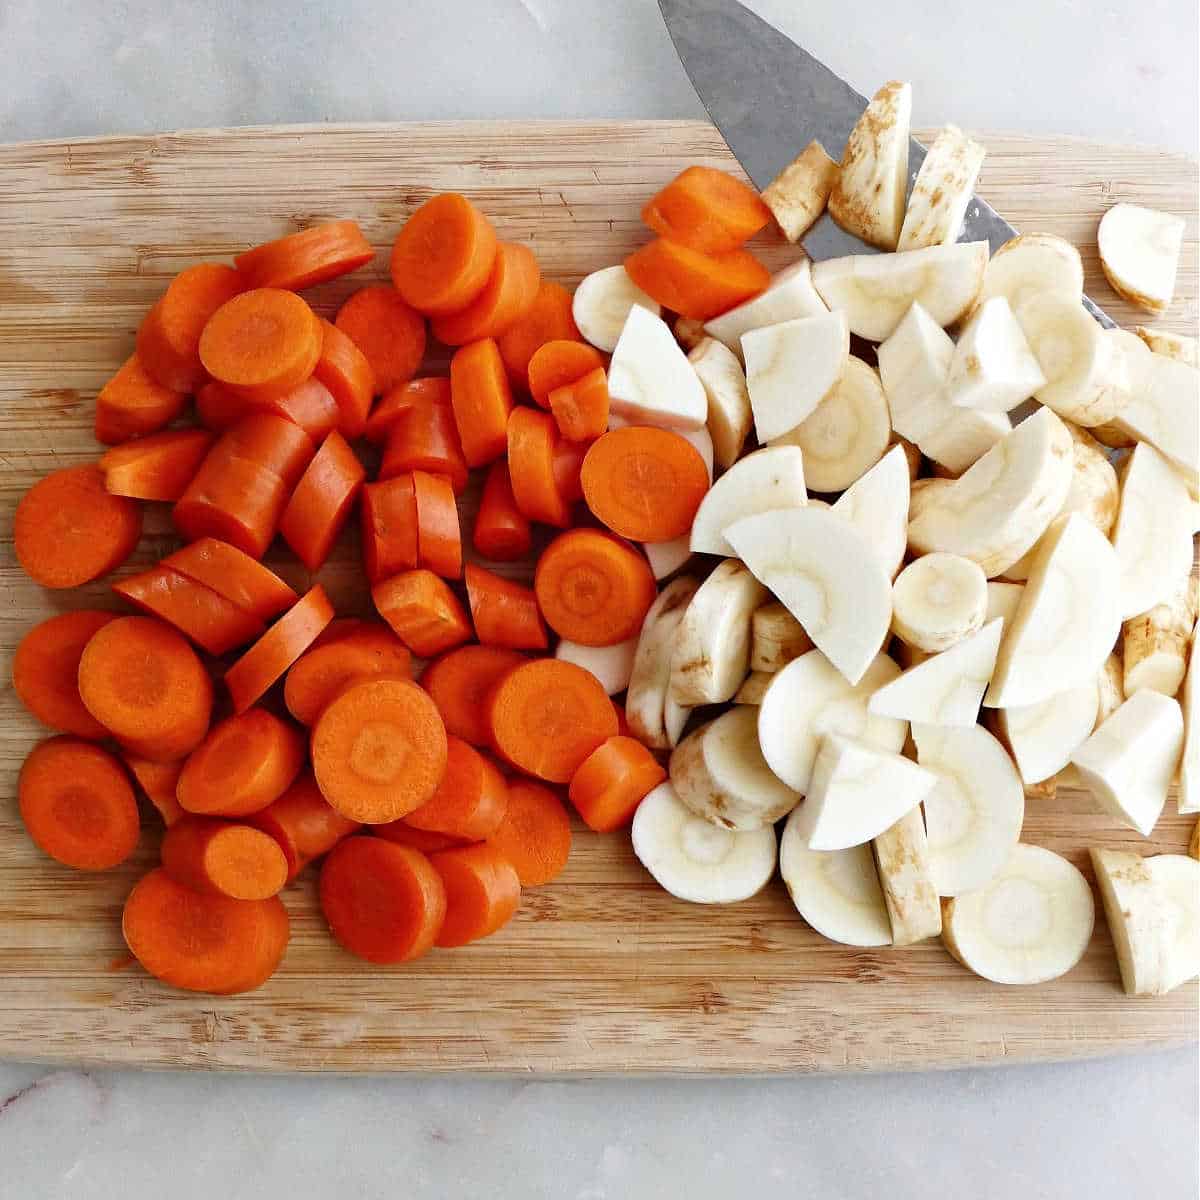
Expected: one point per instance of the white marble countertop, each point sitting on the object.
(1121, 70)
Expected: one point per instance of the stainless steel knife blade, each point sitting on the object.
(769, 98)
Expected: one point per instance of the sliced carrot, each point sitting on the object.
(504, 612)
(482, 399)
(535, 835)
(168, 339)
(344, 369)
(693, 284)
(158, 780)
(269, 657)
(547, 716)
(133, 403)
(470, 801)
(424, 437)
(443, 255)
(77, 805)
(224, 858)
(532, 442)
(389, 527)
(592, 588)
(502, 530)
(214, 623)
(262, 344)
(310, 405)
(612, 782)
(389, 332)
(322, 672)
(439, 535)
(706, 209)
(558, 363)
(203, 943)
(429, 389)
(157, 467)
(424, 612)
(229, 572)
(567, 465)
(581, 408)
(507, 295)
(548, 319)
(383, 902)
(68, 529)
(45, 671)
(322, 501)
(460, 682)
(273, 442)
(340, 627)
(644, 483)
(482, 893)
(403, 834)
(303, 823)
(379, 750)
(218, 408)
(623, 729)
(310, 256)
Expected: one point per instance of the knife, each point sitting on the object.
(770, 98)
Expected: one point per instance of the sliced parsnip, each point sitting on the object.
(1128, 762)
(937, 600)
(754, 688)
(790, 367)
(1043, 736)
(876, 290)
(974, 816)
(1003, 599)
(798, 194)
(611, 665)
(650, 378)
(720, 774)
(827, 575)
(1177, 879)
(808, 699)
(1139, 251)
(1068, 619)
(769, 479)
(650, 679)
(665, 558)
(696, 860)
(912, 455)
(1138, 919)
(914, 363)
(1189, 763)
(848, 431)
(776, 638)
(790, 296)
(902, 860)
(1002, 504)
(1033, 264)
(675, 719)
(867, 198)
(942, 191)
(876, 504)
(1110, 689)
(856, 793)
(993, 368)
(1138, 364)
(724, 381)
(602, 302)
(964, 438)
(1030, 924)
(1170, 345)
(1166, 413)
(837, 892)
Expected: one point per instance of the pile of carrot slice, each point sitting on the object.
(431, 803)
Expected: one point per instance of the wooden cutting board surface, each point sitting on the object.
(600, 972)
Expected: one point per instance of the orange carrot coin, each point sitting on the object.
(508, 293)
(469, 802)
(533, 440)
(224, 858)
(157, 467)
(389, 332)
(693, 284)
(612, 782)
(482, 399)
(133, 403)
(389, 527)
(482, 893)
(425, 614)
(229, 572)
(706, 209)
(303, 823)
(558, 363)
(504, 612)
(460, 682)
(322, 501)
(502, 531)
(344, 370)
(310, 256)
(320, 673)
(429, 389)
(535, 835)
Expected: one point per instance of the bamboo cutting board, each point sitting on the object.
(601, 971)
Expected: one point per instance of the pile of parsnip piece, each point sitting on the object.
(993, 597)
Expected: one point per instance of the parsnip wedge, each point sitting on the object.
(1166, 413)
(611, 665)
(848, 431)
(602, 302)
(720, 774)
(724, 381)
(1139, 251)
(937, 600)
(912, 455)
(1032, 264)
(867, 198)
(650, 379)
(1002, 504)
(1138, 919)
(964, 438)
(914, 363)
(1003, 599)
(776, 638)
(754, 688)
(1128, 762)
(942, 191)
(1110, 689)
(1189, 764)
(1177, 879)
(798, 194)
(808, 699)
(876, 504)
(1137, 366)
(1030, 924)
(856, 793)
(665, 558)
(827, 575)
(790, 368)
(947, 688)
(711, 655)
(837, 892)
(902, 860)
(1170, 345)
(876, 290)
(695, 860)
(993, 368)
(790, 296)
(650, 678)
(1068, 619)
(768, 479)
(1043, 736)
(974, 816)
